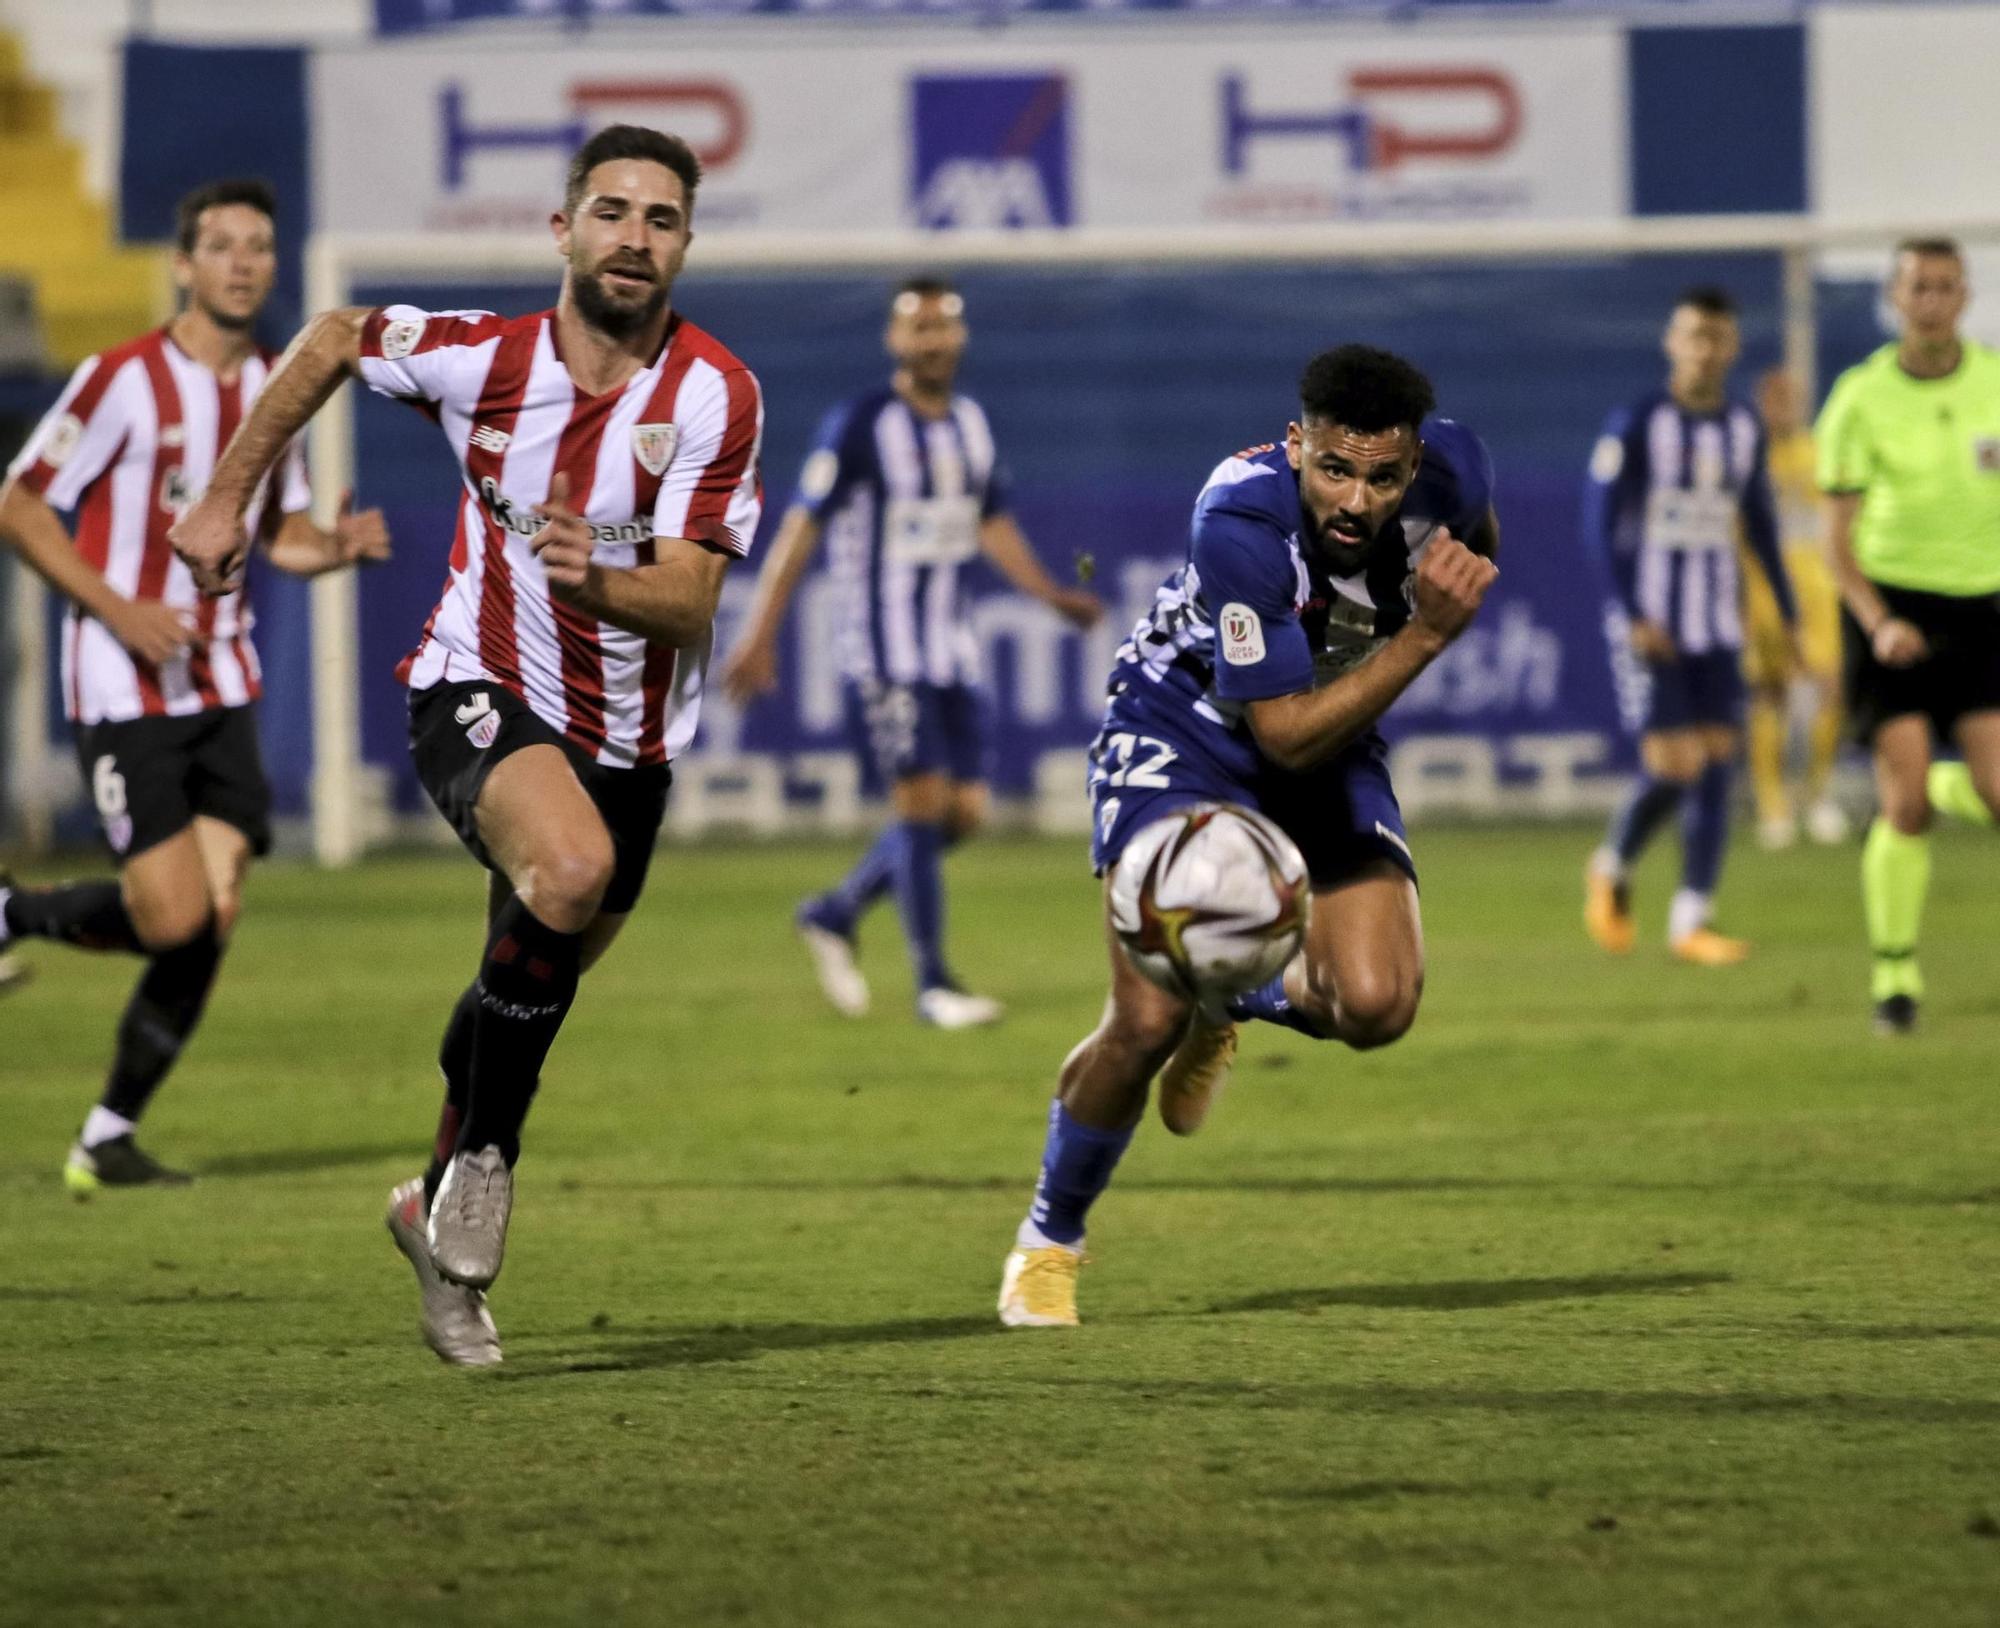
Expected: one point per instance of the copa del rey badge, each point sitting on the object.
(653, 445)
(1242, 635)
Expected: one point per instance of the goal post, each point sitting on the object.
(338, 265)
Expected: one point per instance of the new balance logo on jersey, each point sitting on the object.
(480, 721)
(653, 445)
(488, 439)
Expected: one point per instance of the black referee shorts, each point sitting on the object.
(458, 732)
(1961, 675)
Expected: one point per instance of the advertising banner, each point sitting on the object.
(838, 132)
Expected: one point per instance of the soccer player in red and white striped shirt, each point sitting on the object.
(609, 450)
(158, 681)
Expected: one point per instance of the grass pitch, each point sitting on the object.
(1620, 1293)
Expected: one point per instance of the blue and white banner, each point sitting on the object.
(835, 131)
(410, 16)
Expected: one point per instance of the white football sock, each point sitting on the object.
(1688, 913)
(1031, 1236)
(103, 1125)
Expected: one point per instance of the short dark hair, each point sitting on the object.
(616, 141)
(925, 288)
(1944, 248)
(1710, 299)
(1364, 389)
(246, 190)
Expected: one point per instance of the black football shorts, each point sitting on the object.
(458, 732)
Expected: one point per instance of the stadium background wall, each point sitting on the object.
(1107, 434)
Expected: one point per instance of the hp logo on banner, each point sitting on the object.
(990, 150)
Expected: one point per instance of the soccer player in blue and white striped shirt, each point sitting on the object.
(908, 489)
(1674, 480)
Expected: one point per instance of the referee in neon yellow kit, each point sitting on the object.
(1909, 460)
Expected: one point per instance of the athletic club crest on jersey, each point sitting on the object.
(653, 445)
(399, 339)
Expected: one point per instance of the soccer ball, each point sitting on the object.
(1210, 901)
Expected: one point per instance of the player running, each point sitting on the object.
(1909, 458)
(160, 683)
(1672, 480)
(609, 450)
(1768, 649)
(1323, 577)
(907, 485)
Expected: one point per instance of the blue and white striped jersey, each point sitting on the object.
(901, 498)
(1667, 494)
(1257, 612)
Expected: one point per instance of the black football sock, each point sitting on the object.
(158, 1020)
(524, 990)
(88, 915)
(455, 1063)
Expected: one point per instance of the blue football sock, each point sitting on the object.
(1643, 812)
(1705, 829)
(919, 883)
(840, 908)
(1269, 1003)
(1077, 1162)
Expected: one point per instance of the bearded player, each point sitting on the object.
(1323, 577)
(609, 450)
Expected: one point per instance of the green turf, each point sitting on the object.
(1620, 1293)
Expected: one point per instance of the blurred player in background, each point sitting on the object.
(159, 682)
(907, 486)
(1909, 458)
(609, 451)
(1777, 695)
(1675, 479)
(1323, 576)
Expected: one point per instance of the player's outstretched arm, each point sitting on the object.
(32, 529)
(1297, 731)
(752, 667)
(1002, 543)
(210, 535)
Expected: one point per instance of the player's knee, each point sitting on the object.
(569, 881)
(1378, 1008)
(1141, 1040)
(166, 921)
(174, 929)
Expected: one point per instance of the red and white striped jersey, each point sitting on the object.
(672, 454)
(129, 445)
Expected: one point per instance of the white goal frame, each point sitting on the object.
(343, 820)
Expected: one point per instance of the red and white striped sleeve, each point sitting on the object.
(713, 492)
(81, 434)
(410, 354)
